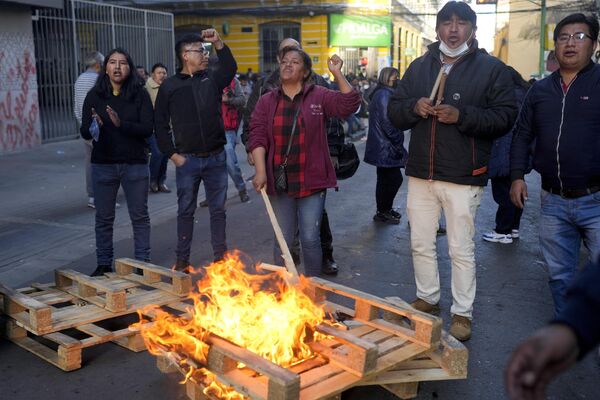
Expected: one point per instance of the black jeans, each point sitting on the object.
(508, 216)
(389, 181)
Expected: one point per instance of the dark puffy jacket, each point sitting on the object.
(499, 165)
(385, 143)
(566, 128)
(481, 88)
(192, 106)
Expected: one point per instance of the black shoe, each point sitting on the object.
(386, 217)
(154, 187)
(244, 196)
(101, 270)
(395, 213)
(329, 267)
(441, 230)
(164, 188)
(182, 266)
(203, 203)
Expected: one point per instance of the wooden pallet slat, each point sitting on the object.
(41, 318)
(357, 356)
(68, 354)
(31, 311)
(179, 283)
(88, 288)
(425, 329)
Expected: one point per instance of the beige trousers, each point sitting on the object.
(425, 201)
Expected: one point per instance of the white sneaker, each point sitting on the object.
(514, 233)
(497, 237)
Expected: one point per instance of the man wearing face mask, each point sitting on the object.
(453, 125)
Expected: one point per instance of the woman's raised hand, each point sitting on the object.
(334, 63)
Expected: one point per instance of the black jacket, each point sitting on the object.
(566, 128)
(480, 86)
(335, 130)
(127, 143)
(191, 104)
(582, 308)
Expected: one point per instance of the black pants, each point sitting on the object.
(508, 216)
(326, 237)
(389, 181)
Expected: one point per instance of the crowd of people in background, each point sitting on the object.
(471, 119)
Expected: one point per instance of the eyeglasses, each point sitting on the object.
(204, 52)
(578, 37)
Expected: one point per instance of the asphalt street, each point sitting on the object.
(45, 224)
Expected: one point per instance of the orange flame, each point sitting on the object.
(258, 312)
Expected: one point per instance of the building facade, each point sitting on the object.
(518, 28)
(368, 36)
(19, 106)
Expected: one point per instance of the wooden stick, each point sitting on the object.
(287, 256)
(436, 84)
(442, 87)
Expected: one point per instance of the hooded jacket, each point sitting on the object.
(318, 104)
(481, 88)
(192, 105)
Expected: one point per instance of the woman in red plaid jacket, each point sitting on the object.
(288, 127)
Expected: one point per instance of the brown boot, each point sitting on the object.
(460, 327)
(423, 306)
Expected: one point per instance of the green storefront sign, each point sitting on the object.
(359, 31)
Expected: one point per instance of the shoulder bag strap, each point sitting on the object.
(287, 152)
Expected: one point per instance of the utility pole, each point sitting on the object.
(542, 37)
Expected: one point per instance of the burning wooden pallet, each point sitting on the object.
(393, 352)
(57, 321)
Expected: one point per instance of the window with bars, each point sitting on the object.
(270, 36)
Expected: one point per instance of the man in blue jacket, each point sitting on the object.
(561, 112)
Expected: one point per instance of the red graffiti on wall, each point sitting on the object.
(19, 111)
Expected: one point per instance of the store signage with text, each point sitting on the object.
(359, 31)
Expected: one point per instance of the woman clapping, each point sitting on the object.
(117, 114)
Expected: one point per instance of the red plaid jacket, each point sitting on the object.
(318, 104)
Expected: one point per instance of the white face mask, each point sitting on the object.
(457, 52)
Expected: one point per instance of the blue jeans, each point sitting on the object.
(213, 171)
(233, 167)
(158, 162)
(564, 223)
(304, 215)
(106, 180)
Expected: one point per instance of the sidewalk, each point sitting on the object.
(44, 219)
